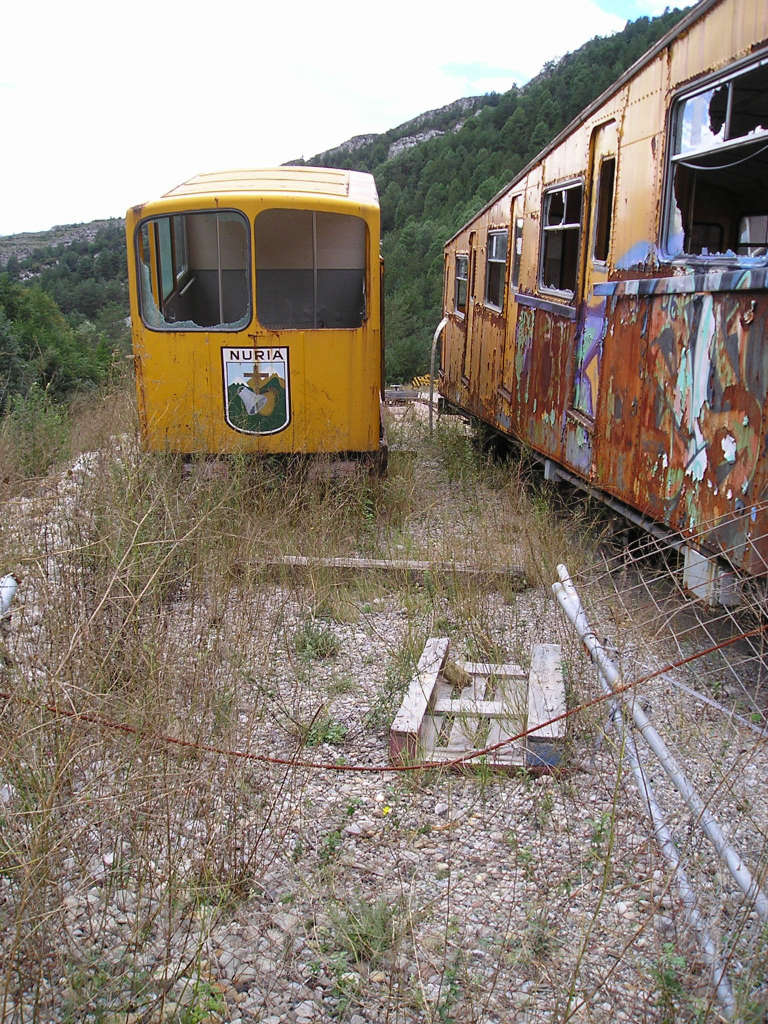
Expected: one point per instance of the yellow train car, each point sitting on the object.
(255, 305)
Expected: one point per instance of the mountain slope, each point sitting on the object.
(429, 189)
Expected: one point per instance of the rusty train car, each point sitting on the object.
(609, 307)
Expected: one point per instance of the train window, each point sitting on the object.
(718, 166)
(193, 271)
(495, 265)
(310, 270)
(517, 252)
(604, 210)
(753, 235)
(561, 228)
(462, 269)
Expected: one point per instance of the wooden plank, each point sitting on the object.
(508, 757)
(405, 728)
(510, 574)
(464, 706)
(462, 734)
(546, 693)
(502, 729)
(400, 394)
(486, 669)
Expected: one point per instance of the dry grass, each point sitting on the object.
(144, 601)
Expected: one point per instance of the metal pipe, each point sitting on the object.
(439, 330)
(8, 587)
(569, 601)
(669, 851)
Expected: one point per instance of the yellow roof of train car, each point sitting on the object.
(321, 181)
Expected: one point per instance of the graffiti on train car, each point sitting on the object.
(690, 380)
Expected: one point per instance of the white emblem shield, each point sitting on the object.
(256, 389)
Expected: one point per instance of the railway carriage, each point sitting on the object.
(608, 307)
(255, 303)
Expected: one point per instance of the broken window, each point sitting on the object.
(517, 252)
(310, 270)
(193, 271)
(462, 269)
(561, 228)
(604, 210)
(718, 167)
(496, 263)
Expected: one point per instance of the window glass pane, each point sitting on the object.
(495, 285)
(560, 239)
(462, 266)
(494, 269)
(310, 269)
(697, 128)
(202, 277)
(749, 104)
(573, 205)
(285, 296)
(180, 247)
(165, 256)
(719, 169)
(753, 235)
(340, 270)
(517, 251)
(497, 245)
(604, 209)
(555, 207)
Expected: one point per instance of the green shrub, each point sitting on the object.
(35, 432)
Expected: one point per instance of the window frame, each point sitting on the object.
(181, 273)
(494, 233)
(702, 85)
(315, 269)
(456, 278)
(517, 225)
(562, 186)
(604, 212)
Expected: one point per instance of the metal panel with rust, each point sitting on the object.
(685, 405)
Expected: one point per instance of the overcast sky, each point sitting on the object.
(103, 105)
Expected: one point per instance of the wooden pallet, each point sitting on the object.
(453, 710)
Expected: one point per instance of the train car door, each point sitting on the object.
(466, 370)
(507, 385)
(590, 333)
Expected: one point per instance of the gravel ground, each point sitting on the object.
(191, 885)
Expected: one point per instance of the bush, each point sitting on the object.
(34, 433)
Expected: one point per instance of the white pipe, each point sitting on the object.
(438, 331)
(8, 587)
(669, 851)
(569, 601)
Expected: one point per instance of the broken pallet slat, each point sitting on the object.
(502, 729)
(464, 706)
(486, 669)
(404, 732)
(546, 693)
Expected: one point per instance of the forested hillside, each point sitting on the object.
(63, 295)
(429, 190)
(63, 308)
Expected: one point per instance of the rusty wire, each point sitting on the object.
(106, 723)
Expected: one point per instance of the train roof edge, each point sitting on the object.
(357, 186)
(697, 12)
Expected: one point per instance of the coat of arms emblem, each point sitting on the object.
(256, 389)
